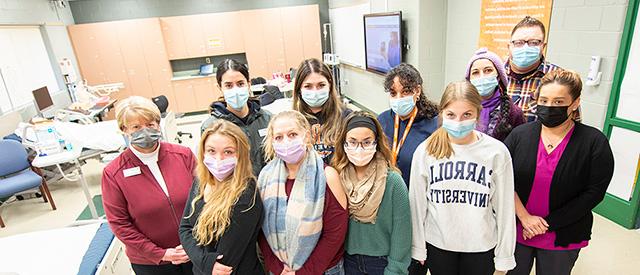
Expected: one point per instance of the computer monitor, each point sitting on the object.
(206, 69)
(43, 99)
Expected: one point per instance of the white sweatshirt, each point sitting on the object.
(464, 203)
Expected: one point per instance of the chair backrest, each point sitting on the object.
(13, 157)
(162, 102)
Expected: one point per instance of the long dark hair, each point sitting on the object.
(409, 77)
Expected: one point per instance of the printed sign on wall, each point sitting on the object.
(498, 17)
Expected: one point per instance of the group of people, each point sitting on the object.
(499, 173)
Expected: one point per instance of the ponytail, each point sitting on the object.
(439, 144)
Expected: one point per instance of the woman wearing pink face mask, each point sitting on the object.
(305, 216)
(378, 200)
(223, 215)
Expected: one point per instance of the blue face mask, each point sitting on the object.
(315, 98)
(525, 56)
(402, 106)
(485, 85)
(458, 129)
(236, 97)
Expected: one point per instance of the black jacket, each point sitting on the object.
(254, 125)
(237, 244)
(578, 184)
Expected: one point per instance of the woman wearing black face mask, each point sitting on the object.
(562, 169)
(145, 190)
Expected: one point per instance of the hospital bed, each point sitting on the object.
(83, 249)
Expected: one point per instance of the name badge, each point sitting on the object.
(131, 172)
(262, 132)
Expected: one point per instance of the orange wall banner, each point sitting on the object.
(498, 17)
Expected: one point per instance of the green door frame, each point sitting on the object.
(621, 211)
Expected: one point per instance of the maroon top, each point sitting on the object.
(138, 211)
(538, 203)
(330, 246)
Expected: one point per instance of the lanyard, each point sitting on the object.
(395, 149)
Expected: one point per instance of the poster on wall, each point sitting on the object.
(498, 17)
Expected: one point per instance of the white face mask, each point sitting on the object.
(360, 157)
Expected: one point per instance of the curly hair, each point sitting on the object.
(409, 77)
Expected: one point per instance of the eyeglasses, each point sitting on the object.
(531, 43)
(366, 145)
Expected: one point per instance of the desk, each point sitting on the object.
(73, 157)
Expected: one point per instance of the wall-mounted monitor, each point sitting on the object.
(383, 41)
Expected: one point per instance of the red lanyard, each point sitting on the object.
(395, 149)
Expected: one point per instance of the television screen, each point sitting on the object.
(383, 41)
(206, 69)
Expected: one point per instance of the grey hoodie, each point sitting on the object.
(254, 126)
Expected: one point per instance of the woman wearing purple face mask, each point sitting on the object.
(378, 200)
(223, 216)
(304, 196)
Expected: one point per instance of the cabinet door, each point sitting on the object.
(155, 56)
(174, 40)
(274, 44)
(310, 16)
(254, 43)
(186, 100)
(83, 38)
(108, 46)
(213, 33)
(292, 35)
(193, 35)
(205, 92)
(128, 33)
(233, 40)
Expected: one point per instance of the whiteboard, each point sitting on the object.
(347, 28)
(630, 86)
(25, 66)
(626, 154)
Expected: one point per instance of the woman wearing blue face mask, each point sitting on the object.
(499, 115)
(145, 189)
(238, 108)
(315, 96)
(305, 215)
(461, 193)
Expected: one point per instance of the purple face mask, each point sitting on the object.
(290, 151)
(220, 169)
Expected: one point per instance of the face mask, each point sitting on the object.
(360, 157)
(290, 151)
(145, 138)
(315, 98)
(485, 85)
(220, 169)
(402, 106)
(552, 116)
(458, 129)
(236, 97)
(525, 56)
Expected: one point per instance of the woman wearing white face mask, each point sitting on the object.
(238, 108)
(144, 191)
(461, 193)
(314, 96)
(499, 115)
(304, 203)
(378, 200)
(223, 215)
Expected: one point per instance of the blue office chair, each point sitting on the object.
(17, 175)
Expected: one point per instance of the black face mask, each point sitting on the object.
(552, 116)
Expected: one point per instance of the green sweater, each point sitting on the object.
(391, 234)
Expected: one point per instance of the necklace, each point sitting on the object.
(550, 145)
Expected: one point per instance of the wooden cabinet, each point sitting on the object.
(254, 43)
(311, 40)
(84, 46)
(292, 36)
(174, 40)
(232, 28)
(195, 94)
(192, 29)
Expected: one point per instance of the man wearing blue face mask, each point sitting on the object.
(526, 65)
(238, 108)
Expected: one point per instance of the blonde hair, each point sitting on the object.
(331, 110)
(215, 217)
(340, 159)
(439, 143)
(297, 117)
(136, 107)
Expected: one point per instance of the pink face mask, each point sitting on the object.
(360, 157)
(290, 151)
(220, 169)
